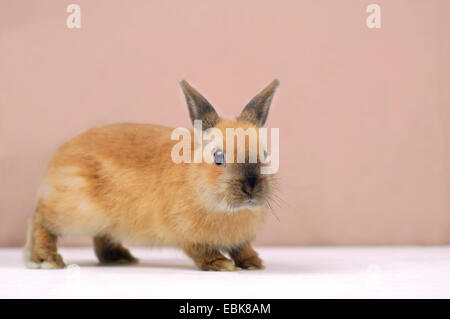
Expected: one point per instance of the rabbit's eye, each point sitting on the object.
(219, 157)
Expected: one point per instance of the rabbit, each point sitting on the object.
(118, 183)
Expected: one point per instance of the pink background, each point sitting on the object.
(363, 113)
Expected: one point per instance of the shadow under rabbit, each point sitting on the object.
(140, 264)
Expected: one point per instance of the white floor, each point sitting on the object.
(363, 272)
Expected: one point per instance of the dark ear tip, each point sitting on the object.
(183, 83)
(275, 82)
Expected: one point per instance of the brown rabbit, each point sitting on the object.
(118, 182)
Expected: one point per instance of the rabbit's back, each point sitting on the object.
(108, 180)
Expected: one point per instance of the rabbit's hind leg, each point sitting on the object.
(110, 252)
(41, 250)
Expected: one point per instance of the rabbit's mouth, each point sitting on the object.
(252, 203)
(249, 203)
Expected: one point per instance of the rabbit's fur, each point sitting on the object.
(118, 182)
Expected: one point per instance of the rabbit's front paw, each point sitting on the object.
(246, 257)
(209, 258)
(219, 264)
(252, 263)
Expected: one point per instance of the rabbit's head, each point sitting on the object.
(233, 177)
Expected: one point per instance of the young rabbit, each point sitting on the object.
(118, 182)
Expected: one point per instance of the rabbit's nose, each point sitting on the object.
(248, 186)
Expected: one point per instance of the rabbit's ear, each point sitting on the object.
(257, 109)
(199, 107)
